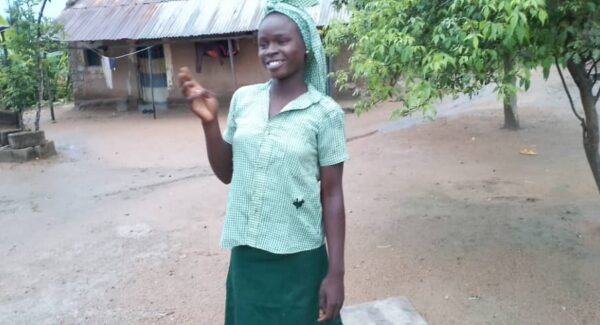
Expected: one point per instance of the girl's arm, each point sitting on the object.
(205, 106)
(219, 152)
(332, 198)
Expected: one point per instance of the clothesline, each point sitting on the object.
(120, 56)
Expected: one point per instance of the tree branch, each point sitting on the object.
(593, 67)
(562, 78)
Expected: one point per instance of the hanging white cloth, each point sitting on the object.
(106, 69)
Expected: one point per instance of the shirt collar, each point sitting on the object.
(306, 100)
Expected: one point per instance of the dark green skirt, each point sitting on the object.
(274, 289)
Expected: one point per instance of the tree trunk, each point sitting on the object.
(511, 118)
(41, 69)
(52, 107)
(591, 132)
(4, 48)
(20, 123)
(40, 98)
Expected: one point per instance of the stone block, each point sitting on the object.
(45, 150)
(8, 154)
(5, 154)
(122, 106)
(4, 136)
(396, 310)
(26, 154)
(8, 118)
(21, 140)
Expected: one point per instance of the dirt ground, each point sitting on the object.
(123, 226)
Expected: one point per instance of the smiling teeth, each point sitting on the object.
(274, 64)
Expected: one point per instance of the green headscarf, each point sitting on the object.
(315, 70)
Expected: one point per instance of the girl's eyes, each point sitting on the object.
(278, 42)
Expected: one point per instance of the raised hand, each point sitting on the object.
(204, 103)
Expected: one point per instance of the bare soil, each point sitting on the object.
(123, 226)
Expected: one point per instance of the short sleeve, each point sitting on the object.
(231, 125)
(331, 140)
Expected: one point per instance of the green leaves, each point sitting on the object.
(426, 48)
(20, 76)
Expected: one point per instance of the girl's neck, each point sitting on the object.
(291, 87)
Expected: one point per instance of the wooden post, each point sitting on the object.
(230, 46)
(151, 81)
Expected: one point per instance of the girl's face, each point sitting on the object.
(280, 47)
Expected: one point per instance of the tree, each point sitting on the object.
(417, 51)
(23, 79)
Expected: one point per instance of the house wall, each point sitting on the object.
(216, 76)
(89, 83)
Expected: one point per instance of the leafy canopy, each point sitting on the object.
(417, 51)
(20, 75)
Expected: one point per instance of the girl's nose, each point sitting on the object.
(272, 49)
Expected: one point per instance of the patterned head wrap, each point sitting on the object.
(315, 70)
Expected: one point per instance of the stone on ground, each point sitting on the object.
(21, 140)
(392, 311)
(4, 135)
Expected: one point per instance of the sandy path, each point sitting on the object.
(123, 227)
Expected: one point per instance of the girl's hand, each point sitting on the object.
(331, 297)
(204, 102)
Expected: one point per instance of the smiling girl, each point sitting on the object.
(283, 152)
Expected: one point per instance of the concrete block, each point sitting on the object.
(45, 150)
(396, 311)
(122, 106)
(4, 136)
(8, 154)
(21, 140)
(8, 118)
(26, 154)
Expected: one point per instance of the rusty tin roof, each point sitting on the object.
(96, 20)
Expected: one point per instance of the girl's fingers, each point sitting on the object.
(184, 75)
(322, 306)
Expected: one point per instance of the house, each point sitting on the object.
(128, 52)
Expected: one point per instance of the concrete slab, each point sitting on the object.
(392, 311)
(10, 155)
(45, 150)
(8, 118)
(22, 140)
(4, 135)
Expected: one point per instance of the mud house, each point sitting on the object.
(128, 52)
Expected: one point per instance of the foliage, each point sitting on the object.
(419, 50)
(20, 77)
(434, 48)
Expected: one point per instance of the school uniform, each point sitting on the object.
(274, 221)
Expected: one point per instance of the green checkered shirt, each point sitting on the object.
(274, 200)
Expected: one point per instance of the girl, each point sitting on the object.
(283, 152)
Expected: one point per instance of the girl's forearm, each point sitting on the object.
(219, 152)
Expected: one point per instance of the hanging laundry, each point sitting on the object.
(216, 49)
(107, 70)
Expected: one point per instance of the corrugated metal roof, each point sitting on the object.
(95, 20)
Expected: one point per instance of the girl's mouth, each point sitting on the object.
(274, 64)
